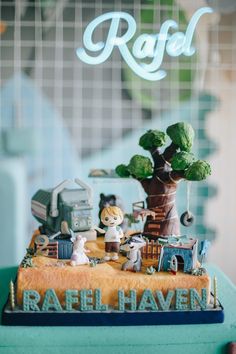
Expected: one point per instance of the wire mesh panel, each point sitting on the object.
(75, 112)
(99, 104)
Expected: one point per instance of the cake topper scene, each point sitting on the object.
(77, 260)
(112, 255)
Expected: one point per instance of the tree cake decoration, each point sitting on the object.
(160, 177)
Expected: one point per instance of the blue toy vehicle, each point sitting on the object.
(61, 213)
(62, 210)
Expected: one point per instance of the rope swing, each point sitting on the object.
(187, 218)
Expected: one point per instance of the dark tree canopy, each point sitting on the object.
(177, 154)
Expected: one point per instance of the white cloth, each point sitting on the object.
(113, 234)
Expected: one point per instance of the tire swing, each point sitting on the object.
(187, 218)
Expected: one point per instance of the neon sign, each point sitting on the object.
(145, 46)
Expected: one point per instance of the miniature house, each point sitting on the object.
(185, 253)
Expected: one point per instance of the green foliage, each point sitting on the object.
(140, 167)
(150, 270)
(27, 262)
(152, 139)
(122, 170)
(199, 271)
(30, 251)
(182, 135)
(198, 171)
(182, 160)
(93, 262)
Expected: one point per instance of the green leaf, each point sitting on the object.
(182, 135)
(140, 167)
(152, 139)
(198, 171)
(182, 160)
(122, 170)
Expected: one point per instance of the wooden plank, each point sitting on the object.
(154, 226)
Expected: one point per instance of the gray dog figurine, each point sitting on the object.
(132, 246)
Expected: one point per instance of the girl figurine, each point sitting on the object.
(112, 216)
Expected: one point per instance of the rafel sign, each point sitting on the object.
(145, 45)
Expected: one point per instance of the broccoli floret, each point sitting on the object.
(182, 135)
(152, 139)
(140, 167)
(182, 160)
(198, 171)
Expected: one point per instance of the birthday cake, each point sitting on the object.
(120, 276)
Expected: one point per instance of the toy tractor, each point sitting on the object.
(62, 212)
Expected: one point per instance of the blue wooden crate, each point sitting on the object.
(65, 249)
(58, 248)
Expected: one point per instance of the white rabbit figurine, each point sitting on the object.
(78, 256)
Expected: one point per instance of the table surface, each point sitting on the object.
(208, 338)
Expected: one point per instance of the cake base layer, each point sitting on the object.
(112, 318)
(60, 275)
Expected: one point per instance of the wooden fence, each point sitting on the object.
(52, 248)
(151, 250)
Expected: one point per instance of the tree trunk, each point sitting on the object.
(161, 190)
